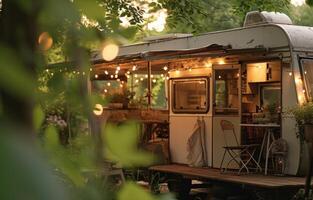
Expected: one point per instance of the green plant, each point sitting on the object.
(303, 114)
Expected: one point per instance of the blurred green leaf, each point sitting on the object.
(38, 117)
(121, 145)
(24, 175)
(14, 77)
(60, 157)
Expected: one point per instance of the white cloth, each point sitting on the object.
(196, 147)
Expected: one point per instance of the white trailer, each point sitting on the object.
(268, 56)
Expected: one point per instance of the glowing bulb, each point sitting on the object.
(96, 76)
(128, 72)
(134, 67)
(137, 81)
(146, 76)
(237, 74)
(141, 79)
(290, 73)
(106, 72)
(112, 76)
(45, 41)
(108, 84)
(177, 71)
(154, 81)
(127, 76)
(110, 51)
(303, 91)
(90, 69)
(208, 64)
(116, 72)
(136, 75)
(118, 80)
(162, 75)
(221, 61)
(47, 70)
(98, 109)
(118, 68)
(219, 77)
(52, 73)
(121, 85)
(305, 72)
(165, 68)
(167, 78)
(78, 72)
(189, 69)
(105, 90)
(151, 75)
(116, 76)
(83, 73)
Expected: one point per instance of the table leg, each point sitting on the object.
(267, 152)
(262, 147)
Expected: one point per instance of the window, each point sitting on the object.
(307, 69)
(270, 96)
(190, 95)
(226, 92)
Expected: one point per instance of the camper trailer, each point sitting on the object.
(248, 77)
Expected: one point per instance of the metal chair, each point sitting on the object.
(242, 155)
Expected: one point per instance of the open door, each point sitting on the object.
(225, 107)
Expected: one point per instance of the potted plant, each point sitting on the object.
(304, 118)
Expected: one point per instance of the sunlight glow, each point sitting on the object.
(298, 2)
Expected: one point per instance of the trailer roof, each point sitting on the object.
(267, 36)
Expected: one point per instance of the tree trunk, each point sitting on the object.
(19, 34)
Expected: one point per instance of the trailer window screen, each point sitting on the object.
(307, 69)
(226, 92)
(190, 96)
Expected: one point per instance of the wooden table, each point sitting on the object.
(269, 134)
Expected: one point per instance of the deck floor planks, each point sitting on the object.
(257, 180)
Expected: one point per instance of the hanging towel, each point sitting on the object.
(196, 147)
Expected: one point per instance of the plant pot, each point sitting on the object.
(308, 132)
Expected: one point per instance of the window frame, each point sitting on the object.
(189, 79)
(302, 70)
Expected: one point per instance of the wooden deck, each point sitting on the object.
(214, 175)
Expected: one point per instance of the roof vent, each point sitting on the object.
(264, 17)
(166, 37)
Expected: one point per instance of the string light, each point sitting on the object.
(96, 76)
(118, 80)
(134, 67)
(146, 75)
(121, 85)
(118, 68)
(190, 69)
(105, 90)
(83, 73)
(162, 75)
(136, 75)
(151, 75)
(116, 76)
(108, 84)
(47, 70)
(154, 81)
(137, 81)
(141, 79)
(128, 72)
(90, 69)
(165, 68)
(106, 72)
(290, 73)
(167, 78)
(116, 72)
(112, 76)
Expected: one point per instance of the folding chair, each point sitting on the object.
(242, 155)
